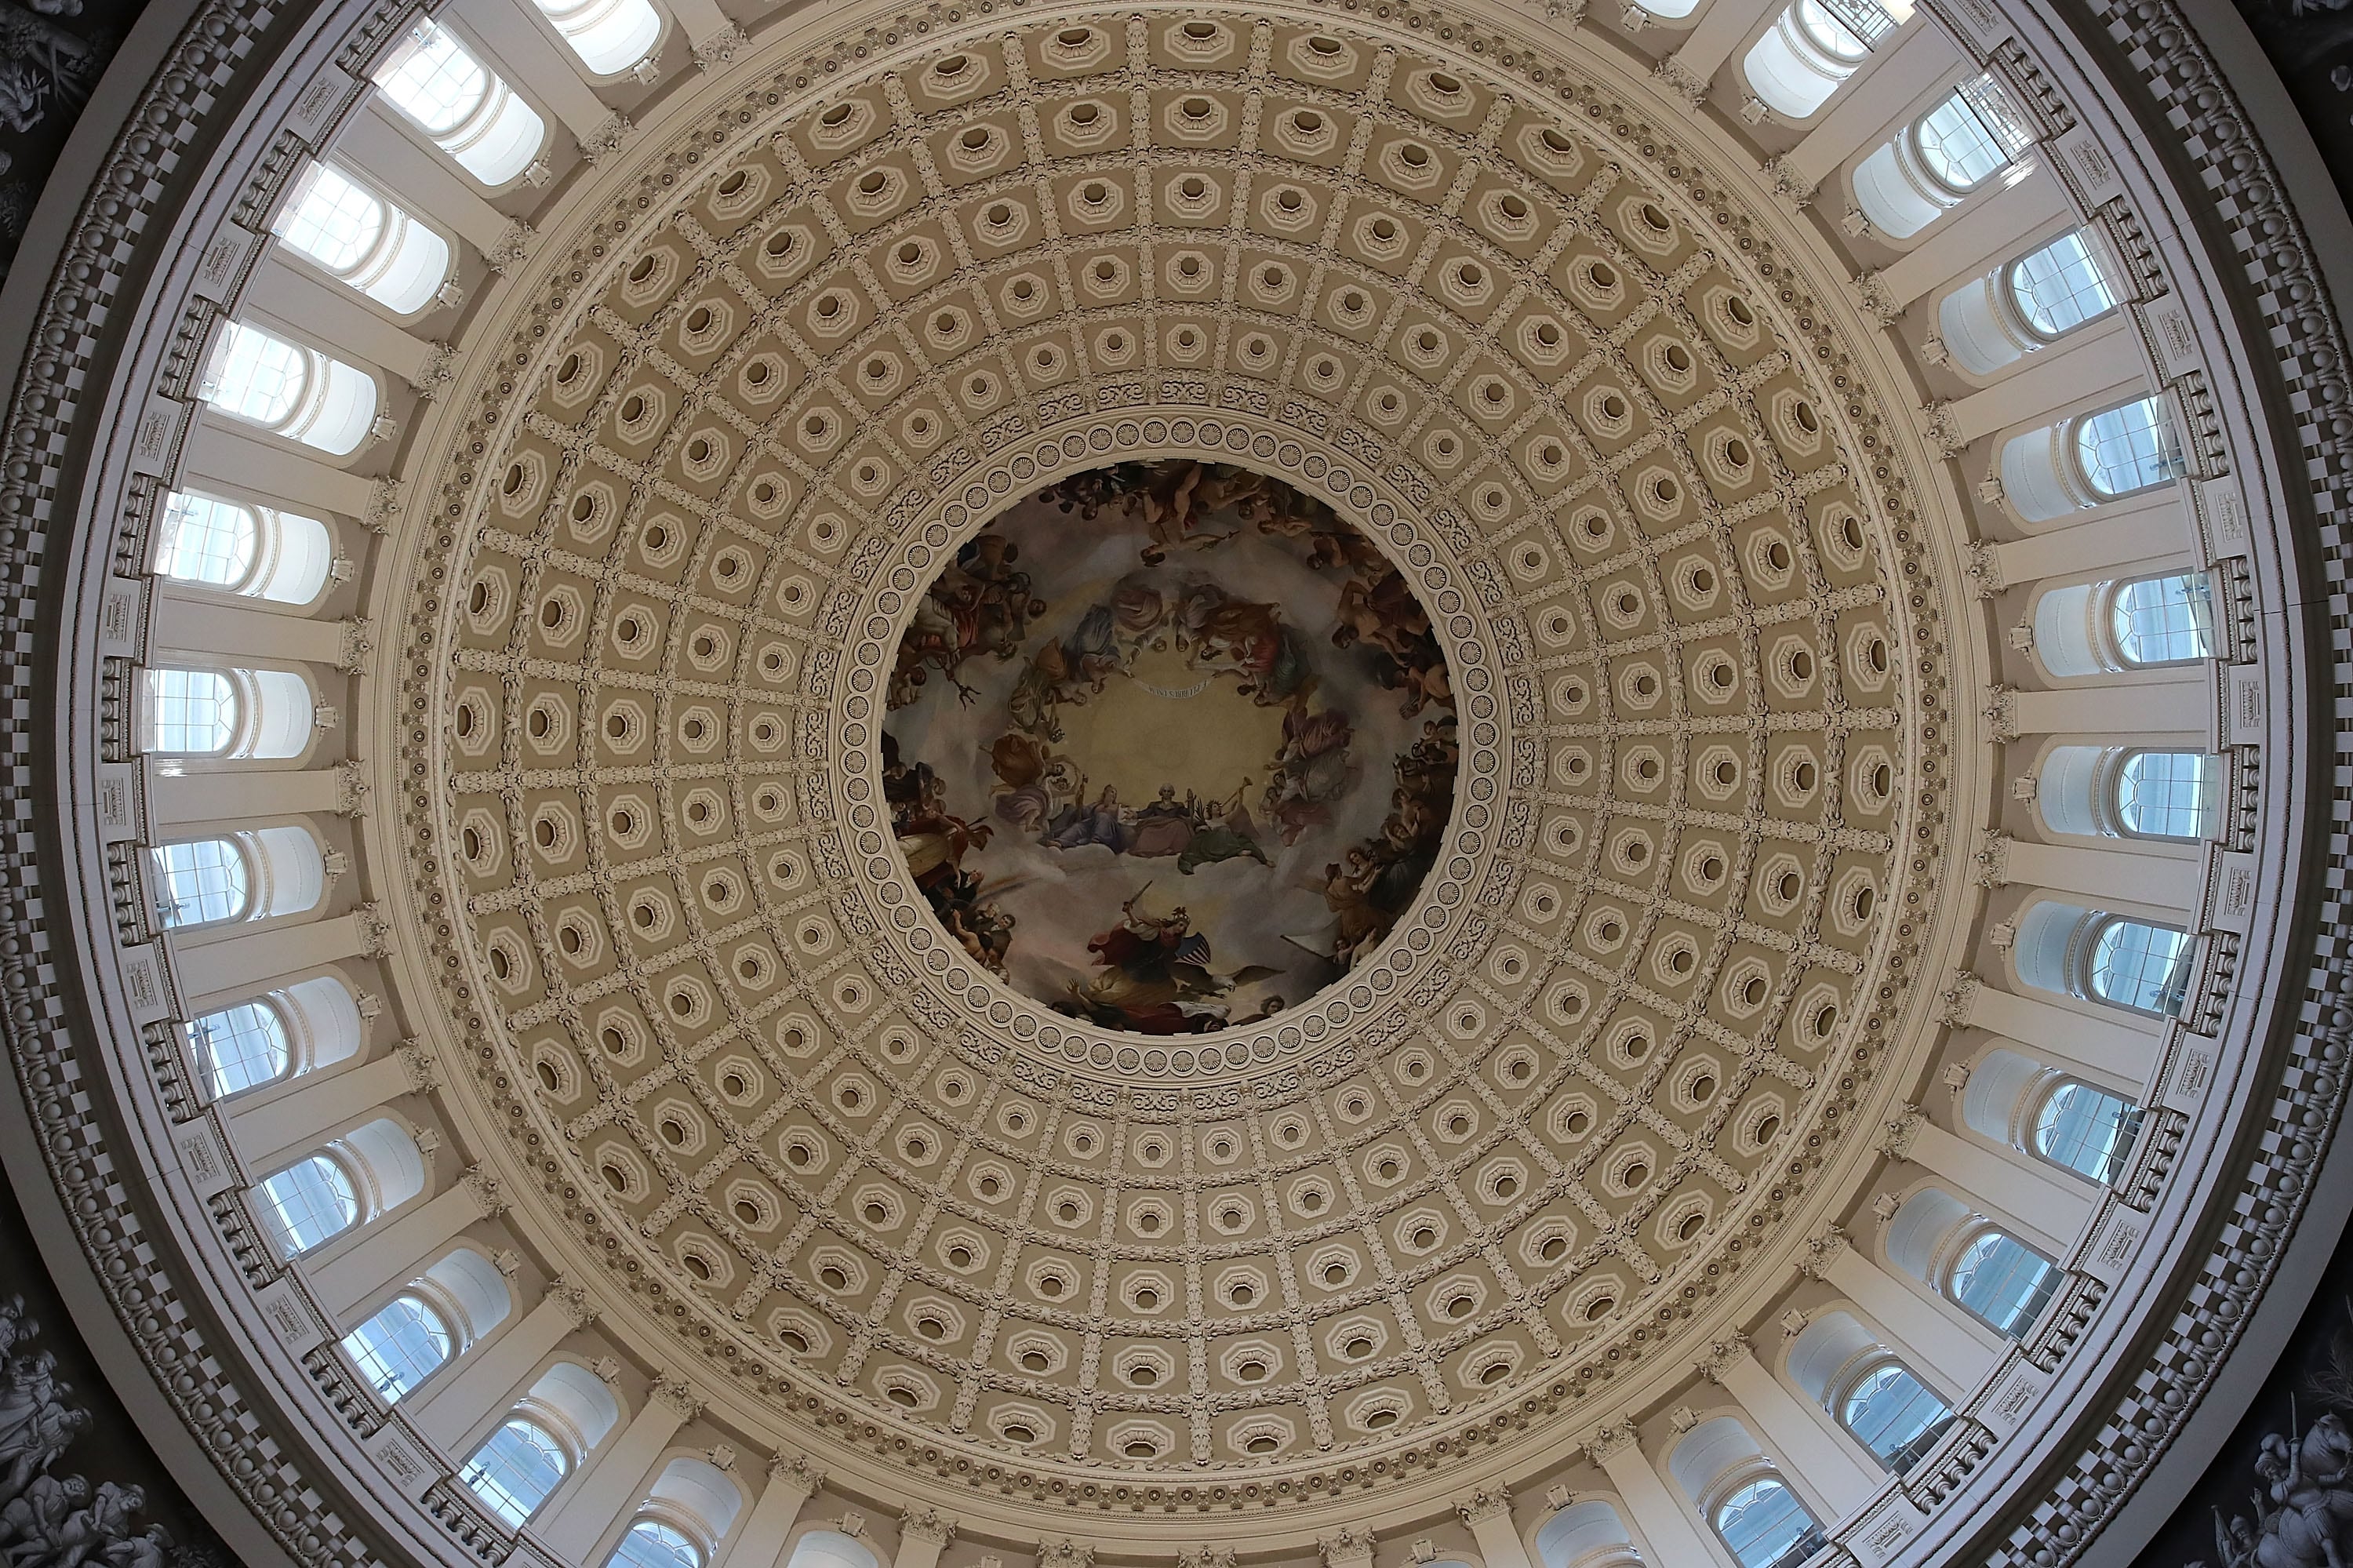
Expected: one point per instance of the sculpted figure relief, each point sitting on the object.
(50, 1520)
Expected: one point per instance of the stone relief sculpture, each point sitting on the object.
(2303, 1514)
(52, 1519)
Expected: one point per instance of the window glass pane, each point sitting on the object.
(400, 1347)
(240, 1048)
(2086, 1130)
(1895, 1416)
(256, 375)
(1960, 146)
(2060, 286)
(307, 1203)
(199, 882)
(1761, 1521)
(2168, 794)
(650, 1543)
(206, 541)
(515, 1468)
(1830, 30)
(2160, 620)
(432, 79)
(190, 711)
(2127, 449)
(2002, 1281)
(330, 220)
(2141, 966)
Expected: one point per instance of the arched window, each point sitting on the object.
(2119, 792)
(609, 35)
(307, 1025)
(650, 1543)
(306, 1204)
(1971, 136)
(2053, 469)
(190, 712)
(830, 1549)
(2141, 966)
(244, 877)
(241, 1047)
(2090, 628)
(363, 240)
(1938, 159)
(2164, 620)
(207, 541)
(2018, 307)
(288, 389)
(1761, 1523)
(2001, 1281)
(516, 1468)
(2089, 1131)
(400, 1347)
(200, 883)
(2127, 447)
(2073, 951)
(1588, 1534)
(2168, 795)
(1892, 1414)
(1809, 49)
(469, 110)
(238, 714)
(258, 552)
(2060, 287)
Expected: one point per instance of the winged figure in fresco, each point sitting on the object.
(1153, 976)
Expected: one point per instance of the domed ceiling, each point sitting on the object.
(1446, 655)
(1342, 782)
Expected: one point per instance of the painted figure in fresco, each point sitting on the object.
(2304, 1507)
(1163, 828)
(982, 603)
(1222, 831)
(934, 841)
(1097, 824)
(1153, 976)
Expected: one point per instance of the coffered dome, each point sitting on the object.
(1565, 390)
(1341, 783)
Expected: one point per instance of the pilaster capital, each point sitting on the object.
(1895, 1140)
(1612, 1439)
(1066, 1554)
(927, 1524)
(675, 1396)
(1822, 1251)
(575, 1301)
(1486, 1503)
(484, 1188)
(791, 1470)
(1347, 1547)
(1721, 1356)
(417, 1064)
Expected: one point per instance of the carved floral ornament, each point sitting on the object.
(1447, 1006)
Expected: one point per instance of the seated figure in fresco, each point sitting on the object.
(1084, 824)
(1163, 828)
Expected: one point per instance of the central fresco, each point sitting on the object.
(1171, 745)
